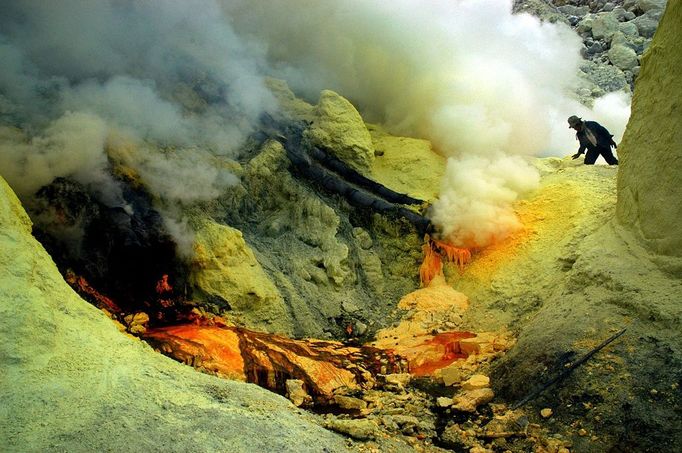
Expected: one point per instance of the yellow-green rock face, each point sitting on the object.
(407, 165)
(339, 128)
(650, 174)
(12, 214)
(288, 102)
(65, 368)
(226, 267)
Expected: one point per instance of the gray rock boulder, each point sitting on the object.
(572, 10)
(649, 5)
(646, 24)
(608, 78)
(620, 13)
(604, 26)
(623, 57)
(584, 27)
(628, 29)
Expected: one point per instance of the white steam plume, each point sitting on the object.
(485, 86)
(168, 73)
(480, 83)
(77, 75)
(71, 146)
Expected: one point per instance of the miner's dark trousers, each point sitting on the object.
(592, 154)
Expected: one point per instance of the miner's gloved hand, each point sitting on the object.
(576, 155)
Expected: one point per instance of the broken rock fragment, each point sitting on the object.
(477, 381)
(273, 361)
(362, 428)
(296, 392)
(469, 400)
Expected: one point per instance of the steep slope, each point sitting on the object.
(569, 280)
(71, 382)
(649, 189)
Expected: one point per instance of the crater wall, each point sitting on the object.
(650, 174)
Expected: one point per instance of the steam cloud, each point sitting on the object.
(488, 88)
(485, 86)
(75, 71)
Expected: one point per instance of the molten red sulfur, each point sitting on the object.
(447, 344)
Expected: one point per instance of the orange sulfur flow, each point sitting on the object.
(434, 251)
(270, 360)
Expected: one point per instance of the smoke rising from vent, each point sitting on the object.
(482, 84)
(485, 86)
(173, 74)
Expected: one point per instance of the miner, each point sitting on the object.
(594, 138)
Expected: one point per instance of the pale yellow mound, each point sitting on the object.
(407, 165)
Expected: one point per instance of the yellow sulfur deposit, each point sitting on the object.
(225, 266)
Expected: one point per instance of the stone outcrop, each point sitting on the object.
(615, 35)
(71, 381)
(649, 179)
(330, 262)
(272, 361)
(226, 270)
(339, 127)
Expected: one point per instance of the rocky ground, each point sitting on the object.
(278, 254)
(615, 35)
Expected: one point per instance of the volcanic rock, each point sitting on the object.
(604, 26)
(339, 128)
(361, 428)
(399, 380)
(79, 374)
(451, 375)
(270, 360)
(623, 57)
(137, 323)
(408, 165)
(224, 267)
(646, 24)
(293, 106)
(350, 403)
(296, 393)
(477, 381)
(651, 151)
(443, 401)
(648, 5)
(469, 400)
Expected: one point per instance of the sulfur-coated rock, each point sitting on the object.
(443, 401)
(67, 369)
(469, 400)
(400, 380)
(326, 367)
(137, 323)
(224, 266)
(649, 188)
(296, 393)
(452, 375)
(287, 100)
(408, 165)
(350, 403)
(361, 428)
(477, 381)
(339, 128)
